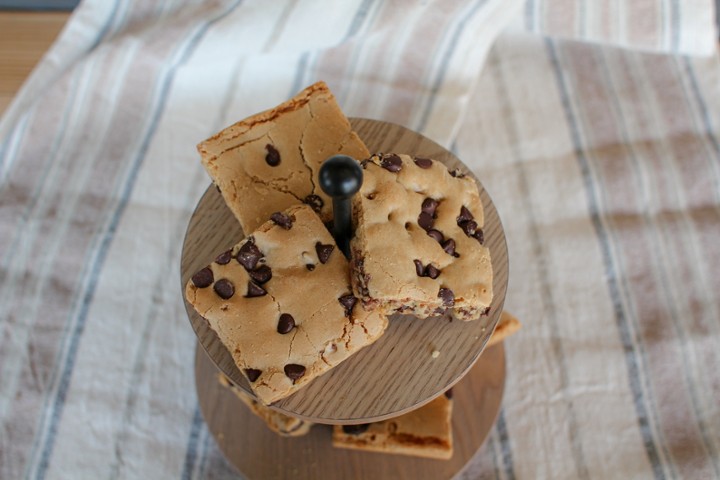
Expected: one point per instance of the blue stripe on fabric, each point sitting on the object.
(529, 24)
(59, 403)
(493, 455)
(442, 70)
(506, 450)
(582, 19)
(205, 449)
(675, 14)
(360, 16)
(358, 19)
(191, 450)
(649, 442)
(19, 132)
(299, 79)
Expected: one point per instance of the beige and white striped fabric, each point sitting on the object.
(604, 163)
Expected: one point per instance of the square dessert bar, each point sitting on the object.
(270, 161)
(425, 432)
(283, 425)
(418, 245)
(282, 304)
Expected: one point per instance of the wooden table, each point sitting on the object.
(24, 39)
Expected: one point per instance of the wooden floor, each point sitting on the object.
(24, 39)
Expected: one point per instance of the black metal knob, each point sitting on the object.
(340, 178)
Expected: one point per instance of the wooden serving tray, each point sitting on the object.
(396, 374)
(258, 453)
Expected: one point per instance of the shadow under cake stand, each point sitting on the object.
(395, 375)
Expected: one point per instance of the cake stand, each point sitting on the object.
(412, 363)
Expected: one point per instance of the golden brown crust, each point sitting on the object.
(394, 251)
(248, 321)
(507, 325)
(425, 432)
(270, 161)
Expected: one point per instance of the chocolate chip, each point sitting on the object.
(479, 236)
(485, 312)
(429, 206)
(435, 234)
(457, 173)
(323, 252)
(465, 215)
(428, 271)
(273, 156)
(423, 162)
(261, 274)
(355, 429)
(348, 301)
(248, 255)
(252, 374)
(224, 258)
(432, 272)
(294, 371)
(254, 290)
(419, 269)
(315, 202)
(449, 393)
(224, 288)
(425, 221)
(468, 227)
(391, 163)
(282, 220)
(286, 323)
(310, 266)
(449, 246)
(204, 278)
(447, 296)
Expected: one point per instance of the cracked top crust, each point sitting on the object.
(418, 246)
(270, 161)
(424, 432)
(283, 305)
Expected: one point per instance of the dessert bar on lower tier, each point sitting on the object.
(425, 432)
(282, 304)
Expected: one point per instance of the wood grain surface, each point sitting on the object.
(398, 372)
(24, 39)
(259, 453)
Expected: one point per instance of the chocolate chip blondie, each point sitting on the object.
(283, 425)
(270, 161)
(425, 432)
(419, 243)
(282, 304)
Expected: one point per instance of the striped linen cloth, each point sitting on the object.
(604, 163)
